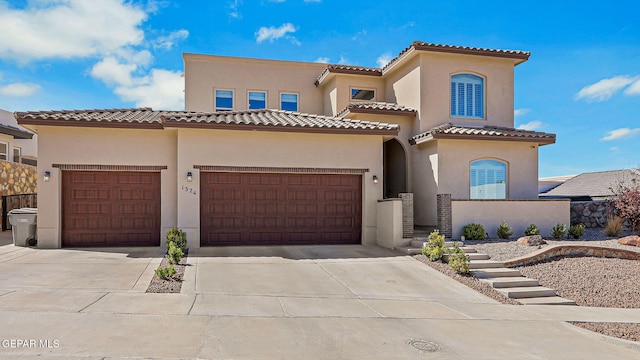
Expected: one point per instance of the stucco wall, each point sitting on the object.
(71, 145)
(203, 73)
(517, 213)
(389, 231)
(274, 149)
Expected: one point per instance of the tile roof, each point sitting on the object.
(449, 131)
(376, 108)
(348, 69)
(594, 185)
(242, 120)
(292, 121)
(468, 50)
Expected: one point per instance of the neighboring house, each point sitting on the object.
(17, 170)
(592, 186)
(23, 146)
(437, 119)
(547, 183)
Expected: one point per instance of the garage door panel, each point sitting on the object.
(106, 208)
(280, 208)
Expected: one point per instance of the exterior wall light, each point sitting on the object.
(375, 179)
(189, 176)
(47, 176)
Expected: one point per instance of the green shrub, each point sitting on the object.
(435, 247)
(174, 254)
(473, 232)
(559, 231)
(504, 231)
(458, 260)
(576, 231)
(614, 226)
(165, 272)
(532, 230)
(178, 237)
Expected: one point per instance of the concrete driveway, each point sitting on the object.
(327, 302)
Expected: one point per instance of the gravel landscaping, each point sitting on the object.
(172, 284)
(625, 331)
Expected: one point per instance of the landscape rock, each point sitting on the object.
(632, 240)
(533, 240)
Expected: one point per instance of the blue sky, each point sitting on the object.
(581, 82)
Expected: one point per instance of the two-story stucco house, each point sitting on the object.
(281, 152)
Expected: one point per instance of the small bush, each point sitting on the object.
(473, 232)
(174, 254)
(532, 230)
(614, 226)
(434, 249)
(559, 231)
(178, 237)
(165, 272)
(504, 231)
(458, 260)
(576, 231)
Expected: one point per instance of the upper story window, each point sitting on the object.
(488, 179)
(257, 100)
(224, 100)
(17, 154)
(289, 101)
(467, 96)
(4, 150)
(362, 94)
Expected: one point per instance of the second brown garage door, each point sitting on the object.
(259, 209)
(110, 208)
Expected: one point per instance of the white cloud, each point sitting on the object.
(614, 150)
(167, 42)
(47, 29)
(634, 88)
(384, 59)
(322, 60)
(606, 88)
(343, 60)
(532, 125)
(19, 89)
(622, 133)
(234, 12)
(113, 72)
(273, 33)
(519, 112)
(359, 35)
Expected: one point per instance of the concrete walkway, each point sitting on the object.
(332, 302)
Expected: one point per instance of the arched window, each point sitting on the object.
(467, 96)
(488, 179)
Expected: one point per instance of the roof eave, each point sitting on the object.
(89, 124)
(16, 133)
(301, 129)
(378, 112)
(539, 141)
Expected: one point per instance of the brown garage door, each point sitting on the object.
(258, 209)
(104, 208)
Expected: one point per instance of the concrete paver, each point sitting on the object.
(274, 302)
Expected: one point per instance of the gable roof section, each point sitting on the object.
(379, 108)
(449, 131)
(347, 69)
(146, 118)
(16, 132)
(593, 185)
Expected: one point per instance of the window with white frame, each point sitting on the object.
(488, 179)
(223, 100)
(4, 151)
(289, 101)
(362, 94)
(467, 96)
(257, 100)
(17, 154)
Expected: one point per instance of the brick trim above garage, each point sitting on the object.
(96, 167)
(285, 170)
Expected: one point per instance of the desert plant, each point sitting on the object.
(559, 231)
(458, 260)
(614, 226)
(435, 247)
(532, 230)
(504, 231)
(165, 272)
(626, 200)
(473, 232)
(576, 231)
(178, 237)
(174, 254)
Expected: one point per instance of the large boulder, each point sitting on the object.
(632, 240)
(533, 240)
